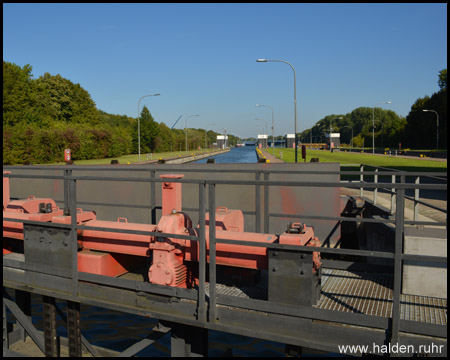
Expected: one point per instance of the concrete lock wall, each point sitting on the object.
(422, 277)
(132, 199)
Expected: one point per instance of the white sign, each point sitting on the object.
(262, 136)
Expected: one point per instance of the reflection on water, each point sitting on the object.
(117, 331)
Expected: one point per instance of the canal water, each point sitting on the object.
(244, 154)
(117, 331)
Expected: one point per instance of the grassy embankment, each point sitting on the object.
(133, 158)
(392, 162)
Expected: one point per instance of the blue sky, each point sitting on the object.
(201, 58)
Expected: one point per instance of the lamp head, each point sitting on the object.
(261, 60)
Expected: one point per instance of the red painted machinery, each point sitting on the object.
(110, 253)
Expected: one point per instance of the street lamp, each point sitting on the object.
(437, 127)
(273, 136)
(382, 131)
(266, 130)
(373, 124)
(351, 141)
(295, 100)
(339, 118)
(205, 132)
(185, 129)
(265, 122)
(139, 124)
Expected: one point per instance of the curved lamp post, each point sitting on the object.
(185, 129)
(437, 127)
(295, 100)
(382, 131)
(139, 124)
(338, 118)
(273, 136)
(373, 124)
(351, 141)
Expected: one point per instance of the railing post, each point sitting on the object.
(361, 179)
(212, 252)
(398, 251)
(266, 204)
(153, 196)
(73, 233)
(67, 172)
(258, 204)
(416, 197)
(393, 196)
(201, 312)
(375, 190)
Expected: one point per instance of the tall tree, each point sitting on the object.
(149, 130)
(442, 79)
(18, 93)
(63, 100)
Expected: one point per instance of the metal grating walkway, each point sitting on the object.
(371, 294)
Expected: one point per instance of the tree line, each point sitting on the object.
(417, 130)
(44, 116)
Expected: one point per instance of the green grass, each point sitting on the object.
(392, 162)
(133, 158)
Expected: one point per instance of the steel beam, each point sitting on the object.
(25, 322)
(73, 329)
(49, 319)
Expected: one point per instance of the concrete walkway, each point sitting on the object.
(272, 159)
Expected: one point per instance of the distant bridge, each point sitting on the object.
(278, 143)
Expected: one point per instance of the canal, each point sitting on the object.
(244, 154)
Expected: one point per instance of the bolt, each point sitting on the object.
(302, 272)
(159, 265)
(275, 268)
(167, 272)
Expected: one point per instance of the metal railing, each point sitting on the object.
(207, 310)
(393, 173)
